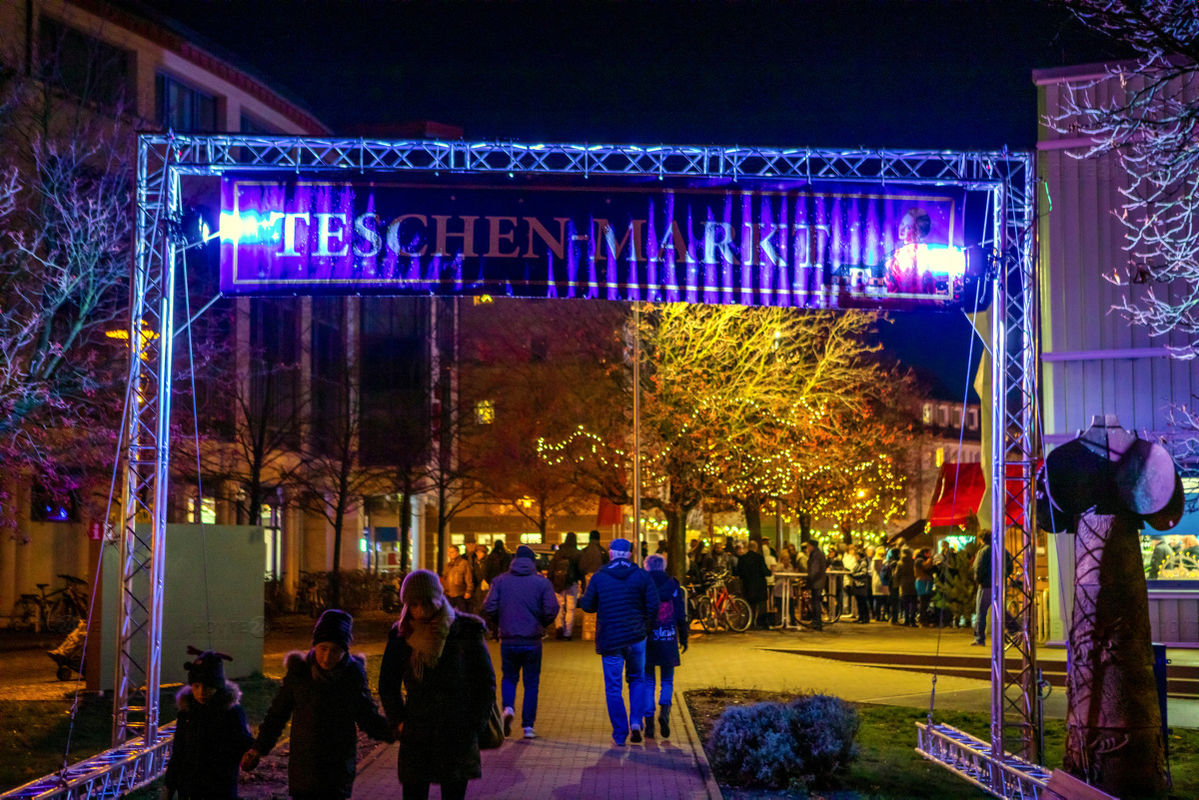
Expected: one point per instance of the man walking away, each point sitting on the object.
(592, 558)
(565, 577)
(523, 602)
(817, 581)
(626, 602)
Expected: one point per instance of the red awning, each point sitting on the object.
(959, 490)
(608, 514)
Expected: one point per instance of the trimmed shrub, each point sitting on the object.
(784, 746)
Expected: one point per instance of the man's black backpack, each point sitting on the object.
(563, 573)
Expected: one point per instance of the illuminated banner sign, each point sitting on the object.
(774, 243)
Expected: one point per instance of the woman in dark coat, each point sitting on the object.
(437, 686)
(497, 561)
(669, 632)
(751, 569)
(906, 575)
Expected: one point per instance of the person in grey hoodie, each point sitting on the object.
(523, 603)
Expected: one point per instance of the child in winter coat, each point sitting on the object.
(325, 694)
(211, 733)
(668, 633)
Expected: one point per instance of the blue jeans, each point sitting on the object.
(666, 683)
(630, 660)
(982, 607)
(513, 659)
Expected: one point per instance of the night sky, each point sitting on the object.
(928, 75)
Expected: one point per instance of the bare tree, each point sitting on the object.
(1143, 114)
(65, 233)
(331, 476)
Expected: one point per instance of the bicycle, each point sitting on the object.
(830, 606)
(58, 611)
(310, 594)
(720, 608)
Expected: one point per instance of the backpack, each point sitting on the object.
(665, 613)
(562, 574)
(884, 573)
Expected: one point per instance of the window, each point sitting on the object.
(485, 412)
(272, 534)
(972, 419)
(531, 538)
(943, 416)
(207, 512)
(458, 540)
(253, 126)
(182, 108)
(928, 413)
(83, 66)
(48, 506)
(940, 456)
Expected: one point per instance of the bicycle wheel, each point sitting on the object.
(61, 617)
(24, 616)
(831, 608)
(737, 614)
(703, 612)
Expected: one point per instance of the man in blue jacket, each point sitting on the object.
(624, 598)
(523, 600)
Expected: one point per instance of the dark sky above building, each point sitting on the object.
(932, 74)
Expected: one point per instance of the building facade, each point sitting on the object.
(1094, 362)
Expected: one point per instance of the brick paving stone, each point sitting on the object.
(573, 756)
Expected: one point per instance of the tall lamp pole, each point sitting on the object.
(636, 425)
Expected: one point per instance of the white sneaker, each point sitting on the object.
(508, 716)
(530, 733)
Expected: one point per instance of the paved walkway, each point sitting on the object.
(572, 757)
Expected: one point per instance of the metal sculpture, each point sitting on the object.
(1104, 486)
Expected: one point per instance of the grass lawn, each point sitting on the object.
(888, 767)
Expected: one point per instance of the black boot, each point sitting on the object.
(664, 721)
(649, 726)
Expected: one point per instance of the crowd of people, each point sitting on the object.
(437, 683)
(899, 585)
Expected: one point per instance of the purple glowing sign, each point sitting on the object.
(699, 241)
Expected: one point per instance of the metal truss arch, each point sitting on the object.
(164, 158)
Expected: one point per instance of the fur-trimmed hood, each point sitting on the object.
(225, 698)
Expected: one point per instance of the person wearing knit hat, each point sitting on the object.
(335, 626)
(624, 598)
(211, 733)
(522, 602)
(326, 696)
(438, 688)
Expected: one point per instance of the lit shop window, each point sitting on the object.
(485, 412)
(940, 456)
(1171, 557)
(206, 513)
(531, 538)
